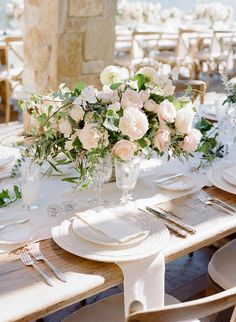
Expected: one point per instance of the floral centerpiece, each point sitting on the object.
(14, 11)
(138, 116)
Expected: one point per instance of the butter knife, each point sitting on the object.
(169, 178)
(164, 214)
(169, 225)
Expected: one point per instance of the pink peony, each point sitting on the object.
(132, 99)
(162, 138)
(191, 140)
(124, 149)
(166, 111)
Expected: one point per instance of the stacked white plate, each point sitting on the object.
(223, 177)
(8, 157)
(79, 238)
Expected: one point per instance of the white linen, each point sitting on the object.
(111, 225)
(55, 191)
(144, 282)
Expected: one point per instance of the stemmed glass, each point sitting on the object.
(102, 174)
(126, 177)
(226, 117)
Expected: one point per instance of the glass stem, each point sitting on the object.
(98, 191)
(125, 197)
(226, 150)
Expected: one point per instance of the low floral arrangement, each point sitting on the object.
(138, 116)
(230, 88)
(14, 11)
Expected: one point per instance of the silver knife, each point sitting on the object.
(169, 225)
(164, 214)
(169, 178)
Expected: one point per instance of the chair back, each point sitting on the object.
(14, 55)
(187, 311)
(198, 88)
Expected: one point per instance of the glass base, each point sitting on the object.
(93, 201)
(31, 207)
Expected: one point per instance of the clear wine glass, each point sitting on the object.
(102, 174)
(226, 117)
(126, 177)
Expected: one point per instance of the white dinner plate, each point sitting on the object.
(177, 184)
(208, 111)
(67, 239)
(215, 175)
(18, 234)
(230, 178)
(83, 230)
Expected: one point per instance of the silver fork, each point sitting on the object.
(208, 197)
(211, 203)
(28, 261)
(21, 221)
(39, 256)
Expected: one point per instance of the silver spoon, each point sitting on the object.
(21, 221)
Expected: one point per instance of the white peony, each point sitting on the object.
(64, 127)
(77, 113)
(131, 99)
(166, 111)
(124, 149)
(184, 119)
(133, 123)
(89, 137)
(111, 75)
(144, 95)
(108, 95)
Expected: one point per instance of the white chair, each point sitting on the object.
(221, 267)
(111, 310)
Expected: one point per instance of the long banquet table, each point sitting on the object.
(24, 296)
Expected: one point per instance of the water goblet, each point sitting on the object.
(30, 183)
(126, 177)
(102, 174)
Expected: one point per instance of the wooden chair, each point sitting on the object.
(11, 74)
(111, 309)
(198, 88)
(187, 311)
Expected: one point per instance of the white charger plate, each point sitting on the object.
(18, 234)
(177, 184)
(83, 230)
(215, 175)
(5, 159)
(67, 239)
(230, 179)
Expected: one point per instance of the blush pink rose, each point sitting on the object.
(191, 141)
(151, 106)
(131, 99)
(162, 138)
(124, 149)
(166, 111)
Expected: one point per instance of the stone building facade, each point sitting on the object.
(67, 41)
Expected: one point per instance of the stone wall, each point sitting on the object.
(67, 41)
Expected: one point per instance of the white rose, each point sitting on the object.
(124, 149)
(162, 138)
(77, 113)
(169, 89)
(89, 137)
(166, 111)
(191, 140)
(108, 95)
(133, 123)
(149, 73)
(151, 106)
(144, 95)
(111, 75)
(131, 99)
(184, 119)
(88, 94)
(115, 107)
(64, 127)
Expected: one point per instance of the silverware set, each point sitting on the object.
(26, 258)
(205, 198)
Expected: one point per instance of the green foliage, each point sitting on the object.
(6, 198)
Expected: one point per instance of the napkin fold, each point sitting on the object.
(103, 220)
(231, 172)
(144, 281)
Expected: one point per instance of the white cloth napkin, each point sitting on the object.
(144, 281)
(111, 225)
(231, 172)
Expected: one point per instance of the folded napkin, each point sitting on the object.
(103, 220)
(144, 281)
(231, 172)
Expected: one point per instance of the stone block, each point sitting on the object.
(93, 67)
(70, 54)
(86, 8)
(99, 39)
